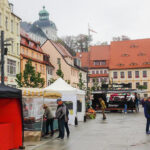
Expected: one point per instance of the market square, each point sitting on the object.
(74, 74)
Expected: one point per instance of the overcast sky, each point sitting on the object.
(108, 18)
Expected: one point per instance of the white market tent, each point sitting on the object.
(69, 94)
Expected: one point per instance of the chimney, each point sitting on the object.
(11, 7)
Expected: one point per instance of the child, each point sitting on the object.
(103, 107)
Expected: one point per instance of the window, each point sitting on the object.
(122, 74)
(144, 74)
(23, 50)
(6, 23)
(97, 71)
(27, 52)
(41, 68)
(101, 62)
(58, 61)
(129, 74)
(17, 26)
(101, 72)
(0, 19)
(18, 67)
(130, 85)
(105, 79)
(11, 67)
(12, 47)
(49, 71)
(105, 71)
(17, 48)
(93, 80)
(137, 84)
(96, 63)
(145, 84)
(12, 26)
(30, 43)
(93, 72)
(115, 75)
(136, 74)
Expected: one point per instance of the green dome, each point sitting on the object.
(43, 14)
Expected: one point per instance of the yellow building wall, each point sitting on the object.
(132, 80)
(33, 55)
(11, 30)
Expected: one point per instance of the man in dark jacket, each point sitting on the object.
(60, 115)
(147, 114)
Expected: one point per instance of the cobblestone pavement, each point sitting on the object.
(119, 132)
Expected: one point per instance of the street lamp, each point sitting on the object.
(3, 52)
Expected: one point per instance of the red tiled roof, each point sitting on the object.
(64, 52)
(84, 58)
(25, 39)
(130, 54)
(99, 52)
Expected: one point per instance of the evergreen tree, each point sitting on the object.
(59, 72)
(81, 83)
(30, 78)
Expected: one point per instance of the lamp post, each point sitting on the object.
(2, 57)
(3, 52)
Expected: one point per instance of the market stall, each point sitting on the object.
(72, 97)
(33, 100)
(11, 118)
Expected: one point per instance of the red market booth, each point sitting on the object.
(11, 118)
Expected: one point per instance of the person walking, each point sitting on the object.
(66, 122)
(147, 114)
(125, 104)
(103, 107)
(136, 102)
(49, 119)
(60, 115)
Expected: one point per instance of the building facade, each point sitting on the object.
(10, 24)
(42, 29)
(130, 63)
(31, 50)
(60, 56)
(96, 61)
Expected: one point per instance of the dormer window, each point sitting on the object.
(133, 64)
(133, 46)
(141, 54)
(125, 55)
(146, 63)
(120, 65)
